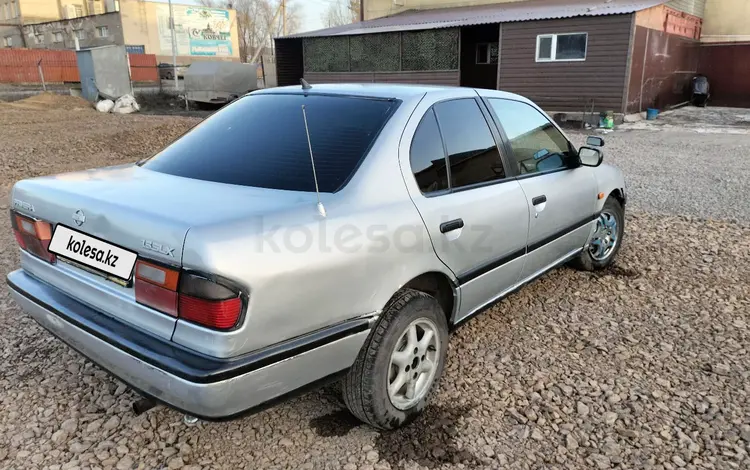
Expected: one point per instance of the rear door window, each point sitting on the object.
(428, 156)
(260, 141)
(472, 151)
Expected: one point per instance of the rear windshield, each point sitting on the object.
(260, 141)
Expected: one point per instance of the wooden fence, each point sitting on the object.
(22, 66)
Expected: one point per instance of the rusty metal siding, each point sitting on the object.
(289, 60)
(663, 66)
(727, 67)
(567, 86)
(429, 77)
(693, 7)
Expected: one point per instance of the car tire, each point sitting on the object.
(366, 386)
(593, 257)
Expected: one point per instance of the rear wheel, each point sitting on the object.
(606, 240)
(400, 364)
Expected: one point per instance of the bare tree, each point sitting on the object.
(341, 12)
(258, 22)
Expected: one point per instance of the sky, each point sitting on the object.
(312, 10)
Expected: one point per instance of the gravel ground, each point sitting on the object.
(682, 172)
(645, 365)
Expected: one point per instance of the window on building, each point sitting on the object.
(80, 34)
(427, 156)
(39, 39)
(2, 12)
(561, 47)
(58, 36)
(8, 41)
(483, 53)
(472, 151)
(16, 13)
(537, 144)
(102, 31)
(79, 10)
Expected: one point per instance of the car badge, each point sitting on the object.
(79, 217)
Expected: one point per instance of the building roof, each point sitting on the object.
(485, 14)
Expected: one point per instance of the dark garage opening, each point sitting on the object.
(480, 53)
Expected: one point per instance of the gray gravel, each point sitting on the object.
(703, 175)
(645, 365)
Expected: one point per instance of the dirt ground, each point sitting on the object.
(645, 365)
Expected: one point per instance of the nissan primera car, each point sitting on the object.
(308, 234)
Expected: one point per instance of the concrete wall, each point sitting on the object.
(378, 8)
(726, 21)
(140, 27)
(87, 24)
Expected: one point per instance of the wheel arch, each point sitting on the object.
(440, 286)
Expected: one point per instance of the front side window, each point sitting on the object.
(472, 152)
(427, 156)
(8, 41)
(80, 34)
(561, 47)
(537, 144)
(260, 141)
(102, 31)
(58, 36)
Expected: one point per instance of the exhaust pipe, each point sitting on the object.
(143, 405)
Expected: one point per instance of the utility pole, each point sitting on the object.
(174, 47)
(283, 17)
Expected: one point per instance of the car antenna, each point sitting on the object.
(321, 208)
(305, 85)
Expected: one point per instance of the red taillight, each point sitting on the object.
(187, 296)
(156, 286)
(33, 236)
(219, 314)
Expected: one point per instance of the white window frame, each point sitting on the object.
(8, 41)
(80, 34)
(553, 51)
(54, 37)
(102, 29)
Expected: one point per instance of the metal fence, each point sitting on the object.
(41, 66)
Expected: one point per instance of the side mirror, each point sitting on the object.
(590, 156)
(594, 141)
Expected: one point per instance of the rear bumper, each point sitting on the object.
(202, 386)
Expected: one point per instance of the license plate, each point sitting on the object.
(92, 252)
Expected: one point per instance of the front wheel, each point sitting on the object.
(606, 240)
(401, 362)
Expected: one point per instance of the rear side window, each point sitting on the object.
(472, 151)
(260, 141)
(428, 156)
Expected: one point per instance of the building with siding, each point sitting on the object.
(141, 26)
(566, 55)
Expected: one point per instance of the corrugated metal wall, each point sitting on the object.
(663, 67)
(20, 66)
(568, 86)
(425, 78)
(694, 7)
(288, 61)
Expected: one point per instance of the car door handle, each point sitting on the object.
(539, 200)
(451, 225)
